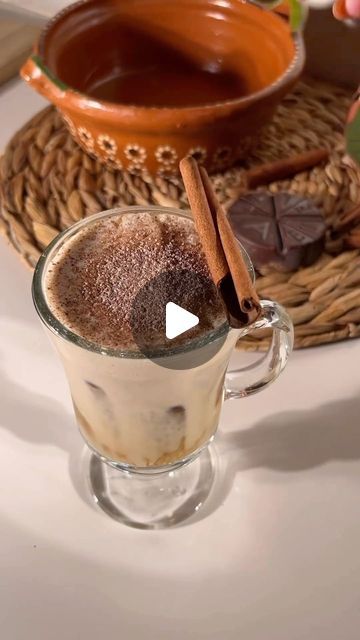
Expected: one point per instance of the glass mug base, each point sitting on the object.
(148, 499)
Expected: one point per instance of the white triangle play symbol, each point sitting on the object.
(178, 320)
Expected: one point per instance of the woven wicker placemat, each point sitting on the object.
(47, 183)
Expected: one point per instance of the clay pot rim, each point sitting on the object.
(110, 108)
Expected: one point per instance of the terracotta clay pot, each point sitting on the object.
(142, 83)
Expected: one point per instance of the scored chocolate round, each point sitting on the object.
(283, 231)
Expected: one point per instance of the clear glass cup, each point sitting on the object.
(148, 426)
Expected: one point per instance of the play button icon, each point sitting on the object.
(177, 307)
(178, 320)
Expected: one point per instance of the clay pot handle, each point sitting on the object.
(37, 75)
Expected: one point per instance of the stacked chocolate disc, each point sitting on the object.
(282, 231)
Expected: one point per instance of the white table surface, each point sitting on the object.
(41, 7)
(277, 559)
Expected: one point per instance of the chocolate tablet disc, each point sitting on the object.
(283, 231)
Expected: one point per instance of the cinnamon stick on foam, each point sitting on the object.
(222, 251)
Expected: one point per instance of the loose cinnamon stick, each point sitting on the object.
(347, 220)
(352, 240)
(221, 249)
(282, 169)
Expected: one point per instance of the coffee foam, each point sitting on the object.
(95, 279)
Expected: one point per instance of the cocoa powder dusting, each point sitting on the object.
(94, 281)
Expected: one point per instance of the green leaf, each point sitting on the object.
(352, 135)
(298, 11)
(297, 14)
(59, 83)
(269, 4)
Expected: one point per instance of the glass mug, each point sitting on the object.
(148, 425)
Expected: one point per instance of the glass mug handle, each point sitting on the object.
(256, 377)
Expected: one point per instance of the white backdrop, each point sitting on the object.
(43, 7)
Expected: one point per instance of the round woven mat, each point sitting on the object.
(47, 183)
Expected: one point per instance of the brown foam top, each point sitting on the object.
(96, 278)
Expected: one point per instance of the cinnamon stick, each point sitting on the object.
(347, 220)
(245, 291)
(203, 218)
(352, 240)
(222, 251)
(282, 169)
